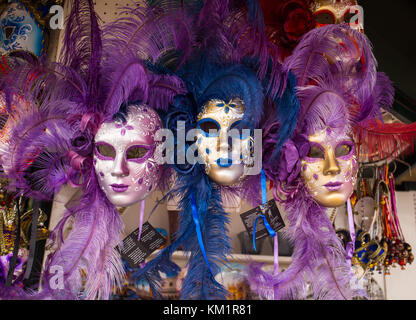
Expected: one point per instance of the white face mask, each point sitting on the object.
(124, 156)
(224, 161)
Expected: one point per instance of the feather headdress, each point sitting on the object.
(86, 88)
(338, 87)
(226, 61)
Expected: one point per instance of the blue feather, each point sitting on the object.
(199, 282)
(207, 79)
(287, 112)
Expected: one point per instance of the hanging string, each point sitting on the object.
(276, 256)
(33, 239)
(141, 215)
(269, 229)
(350, 245)
(142, 206)
(394, 207)
(13, 261)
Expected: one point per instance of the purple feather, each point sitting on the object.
(152, 32)
(213, 32)
(319, 258)
(382, 98)
(321, 106)
(82, 47)
(348, 51)
(163, 89)
(128, 82)
(41, 137)
(90, 248)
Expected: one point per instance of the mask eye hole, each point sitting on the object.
(209, 127)
(324, 17)
(136, 153)
(105, 151)
(315, 152)
(342, 150)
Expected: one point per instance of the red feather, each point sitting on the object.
(378, 141)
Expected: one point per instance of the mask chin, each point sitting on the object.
(226, 176)
(333, 200)
(124, 202)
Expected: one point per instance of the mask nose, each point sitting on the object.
(120, 168)
(224, 144)
(331, 166)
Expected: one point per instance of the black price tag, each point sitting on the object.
(135, 252)
(272, 215)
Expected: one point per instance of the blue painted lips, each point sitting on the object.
(225, 163)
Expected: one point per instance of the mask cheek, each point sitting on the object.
(349, 170)
(103, 170)
(207, 149)
(145, 177)
(311, 173)
(245, 151)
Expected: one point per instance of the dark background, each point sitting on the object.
(391, 27)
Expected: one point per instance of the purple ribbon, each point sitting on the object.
(93, 120)
(276, 255)
(350, 245)
(141, 219)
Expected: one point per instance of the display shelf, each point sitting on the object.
(181, 259)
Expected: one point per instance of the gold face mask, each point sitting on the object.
(223, 150)
(329, 171)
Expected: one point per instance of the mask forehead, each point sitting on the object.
(224, 113)
(330, 137)
(140, 127)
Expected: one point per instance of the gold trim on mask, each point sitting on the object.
(234, 108)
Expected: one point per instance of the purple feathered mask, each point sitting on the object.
(99, 84)
(337, 87)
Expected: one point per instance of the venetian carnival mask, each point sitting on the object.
(224, 151)
(330, 168)
(19, 30)
(337, 12)
(125, 159)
